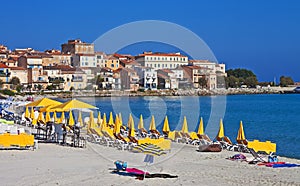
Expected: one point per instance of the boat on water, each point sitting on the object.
(297, 89)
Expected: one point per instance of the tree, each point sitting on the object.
(251, 81)
(1, 83)
(202, 82)
(238, 77)
(285, 81)
(15, 81)
(232, 82)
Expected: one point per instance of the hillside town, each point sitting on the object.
(77, 66)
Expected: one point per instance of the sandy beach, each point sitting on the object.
(53, 164)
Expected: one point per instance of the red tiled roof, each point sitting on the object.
(17, 68)
(162, 54)
(80, 54)
(2, 65)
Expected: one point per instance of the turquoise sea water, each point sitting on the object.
(265, 117)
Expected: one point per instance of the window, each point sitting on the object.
(112, 65)
(94, 64)
(86, 63)
(158, 58)
(150, 58)
(163, 65)
(117, 66)
(154, 58)
(158, 65)
(146, 58)
(154, 65)
(82, 64)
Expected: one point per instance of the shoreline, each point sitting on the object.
(232, 91)
(52, 164)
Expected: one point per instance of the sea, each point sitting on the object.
(265, 117)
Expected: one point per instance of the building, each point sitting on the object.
(66, 77)
(162, 60)
(34, 67)
(83, 60)
(5, 73)
(167, 79)
(100, 57)
(195, 74)
(111, 62)
(148, 77)
(77, 46)
(129, 79)
(59, 58)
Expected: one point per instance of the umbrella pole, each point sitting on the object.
(145, 171)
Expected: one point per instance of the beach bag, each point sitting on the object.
(272, 158)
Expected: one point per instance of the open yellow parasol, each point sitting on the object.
(41, 118)
(74, 104)
(43, 103)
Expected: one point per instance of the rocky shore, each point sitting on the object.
(194, 92)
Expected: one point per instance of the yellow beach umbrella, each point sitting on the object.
(71, 119)
(62, 118)
(99, 118)
(55, 117)
(132, 129)
(74, 104)
(34, 121)
(152, 124)
(41, 117)
(117, 129)
(201, 127)
(104, 123)
(48, 118)
(32, 113)
(43, 103)
(120, 119)
(111, 119)
(79, 119)
(185, 128)
(166, 127)
(27, 114)
(241, 134)
(92, 121)
(221, 130)
(141, 122)
(129, 121)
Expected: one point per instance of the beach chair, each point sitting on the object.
(154, 133)
(257, 157)
(143, 132)
(108, 139)
(178, 138)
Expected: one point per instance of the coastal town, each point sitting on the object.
(77, 66)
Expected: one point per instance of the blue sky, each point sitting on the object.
(263, 36)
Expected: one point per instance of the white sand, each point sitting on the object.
(57, 165)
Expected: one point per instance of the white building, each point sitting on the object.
(148, 77)
(84, 60)
(162, 60)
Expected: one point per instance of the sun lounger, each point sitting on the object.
(257, 157)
